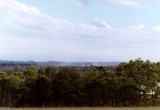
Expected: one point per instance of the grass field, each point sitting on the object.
(94, 108)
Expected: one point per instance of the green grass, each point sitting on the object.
(93, 108)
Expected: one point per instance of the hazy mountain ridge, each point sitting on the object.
(56, 63)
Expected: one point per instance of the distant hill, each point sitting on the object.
(13, 63)
(56, 63)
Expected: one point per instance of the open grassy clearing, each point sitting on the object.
(94, 108)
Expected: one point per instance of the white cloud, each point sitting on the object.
(21, 15)
(100, 23)
(138, 28)
(128, 3)
(82, 2)
(18, 7)
(156, 29)
(24, 17)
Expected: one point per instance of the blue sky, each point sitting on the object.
(79, 30)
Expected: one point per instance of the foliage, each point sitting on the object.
(128, 84)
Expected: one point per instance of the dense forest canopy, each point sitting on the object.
(129, 84)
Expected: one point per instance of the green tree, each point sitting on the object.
(67, 86)
(143, 73)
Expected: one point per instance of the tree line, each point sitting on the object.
(129, 84)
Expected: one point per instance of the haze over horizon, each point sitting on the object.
(79, 30)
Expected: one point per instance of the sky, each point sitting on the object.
(79, 30)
